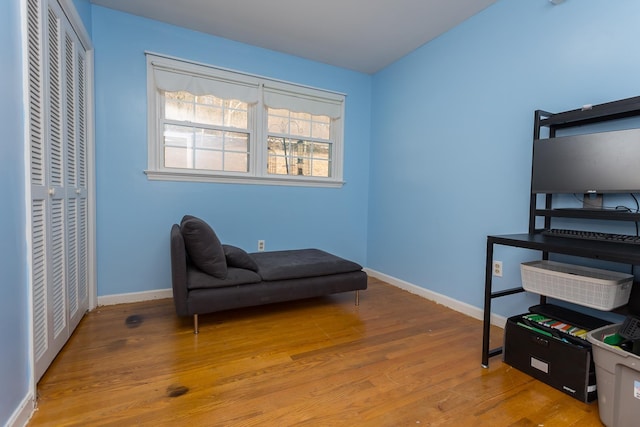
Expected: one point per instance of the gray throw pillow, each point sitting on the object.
(203, 246)
(238, 258)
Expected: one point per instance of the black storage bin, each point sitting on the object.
(552, 355)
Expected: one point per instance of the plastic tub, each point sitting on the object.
(617, 380)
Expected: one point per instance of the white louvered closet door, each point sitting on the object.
(57, 73)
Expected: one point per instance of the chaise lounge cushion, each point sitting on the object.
(197, 279)
(203, 246)
(237, 257)
(300, 263)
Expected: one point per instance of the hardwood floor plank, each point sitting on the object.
(395, 360)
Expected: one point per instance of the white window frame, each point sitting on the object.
(260, 92)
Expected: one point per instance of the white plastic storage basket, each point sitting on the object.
(591, 287)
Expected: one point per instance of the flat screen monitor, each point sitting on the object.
(605, 162)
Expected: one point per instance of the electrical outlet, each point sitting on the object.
(497, 268)
(260, 245)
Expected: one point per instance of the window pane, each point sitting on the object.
(178, 105)
(209, 115)
(209, 100)
(179, 96)
(177, 157)
(320, 130)
(297, 157)
(276, 165)
(300, 128)
(277, 124)
(236, 118)
(274, 143)
(178, 136)
(321, 151)
(237, 142)
(321, 168)
(178, 110)
(209, 160)
(236, 162)
(207, 138)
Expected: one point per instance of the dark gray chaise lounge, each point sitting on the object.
(208, 276)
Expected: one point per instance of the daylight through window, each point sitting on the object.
(209, 124)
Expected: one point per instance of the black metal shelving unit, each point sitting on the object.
(608, 251)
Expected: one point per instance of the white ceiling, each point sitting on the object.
(362, 35)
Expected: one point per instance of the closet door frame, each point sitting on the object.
(73, 24)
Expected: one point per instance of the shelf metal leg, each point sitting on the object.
(486, 326)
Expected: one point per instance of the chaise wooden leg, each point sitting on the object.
(357, 297)
(195, 324)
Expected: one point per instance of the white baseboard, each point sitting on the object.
(135, 297)
(462, 307)
(453, 304)
(23, 413)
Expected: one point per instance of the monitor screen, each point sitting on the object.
(605, 162)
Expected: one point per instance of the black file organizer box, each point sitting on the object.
(561, 361)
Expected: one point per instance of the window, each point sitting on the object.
(210, 124)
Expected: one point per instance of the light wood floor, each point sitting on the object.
(395, 360)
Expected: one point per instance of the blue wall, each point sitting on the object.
(14, 307)
(438, 151)
(452, 131)
(83, 7)
(134, 215)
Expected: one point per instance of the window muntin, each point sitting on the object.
(209, 124)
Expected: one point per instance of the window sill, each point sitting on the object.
(236, 179)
